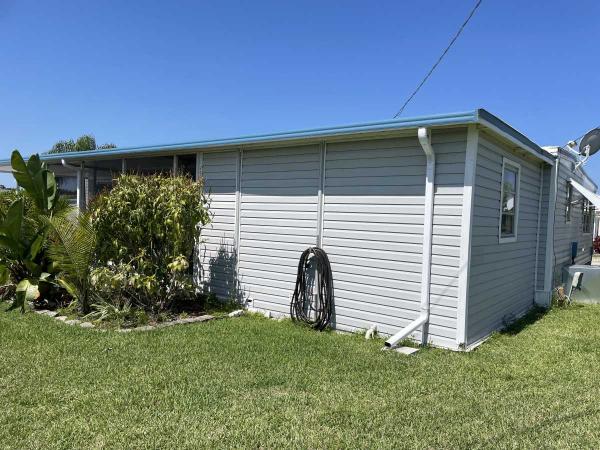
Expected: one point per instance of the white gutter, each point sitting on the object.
(423, 319)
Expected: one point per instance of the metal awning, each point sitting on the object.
(591, 196)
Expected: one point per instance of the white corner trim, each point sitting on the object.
(505, 240)
(543, 298)
(466, 234)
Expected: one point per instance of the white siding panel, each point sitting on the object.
(278, 221)
(373, 232)
(217, 251)
(373, 203)
(502, 276)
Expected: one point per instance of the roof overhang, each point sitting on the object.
(382, 128)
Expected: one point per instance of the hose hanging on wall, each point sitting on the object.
(312, 302)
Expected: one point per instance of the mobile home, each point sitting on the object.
(456, 222)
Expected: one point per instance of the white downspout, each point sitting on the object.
(80, 183)
(423, 319)
(549, 263)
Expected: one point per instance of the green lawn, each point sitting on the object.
(252, 382)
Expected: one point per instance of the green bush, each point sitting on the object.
(146, 228)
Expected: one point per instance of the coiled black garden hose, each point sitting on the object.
(312, 301)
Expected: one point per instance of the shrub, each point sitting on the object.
(597, 244)
(147, 227)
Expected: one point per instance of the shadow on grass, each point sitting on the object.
(515, 327)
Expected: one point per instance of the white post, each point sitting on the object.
(81, 187)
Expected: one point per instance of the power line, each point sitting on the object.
(460, 30)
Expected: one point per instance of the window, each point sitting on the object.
(569, 202)
(510, 201)
(587, 216)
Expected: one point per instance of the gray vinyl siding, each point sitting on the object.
(566, 233)
(217, 249)
(373, 232)
(278, 220)
(372, 221)
(502, 275)
(541, 266)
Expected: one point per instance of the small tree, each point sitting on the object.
(83, 143)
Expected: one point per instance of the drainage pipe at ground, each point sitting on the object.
(423, 320)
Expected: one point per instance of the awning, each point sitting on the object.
(591, 196)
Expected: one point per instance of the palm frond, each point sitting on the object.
(72, 246)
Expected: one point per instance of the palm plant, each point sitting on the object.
(72, 245)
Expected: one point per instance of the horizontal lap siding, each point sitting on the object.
(502, 276)
(566, 233)
(546, 180)
(450, 153)
(278, 220)
(218, 254)
(373, 232)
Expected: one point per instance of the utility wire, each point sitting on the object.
(458, 33)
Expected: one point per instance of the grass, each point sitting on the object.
(252, 382)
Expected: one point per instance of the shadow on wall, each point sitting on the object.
(220, 275)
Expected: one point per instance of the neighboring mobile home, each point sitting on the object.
(458, 219)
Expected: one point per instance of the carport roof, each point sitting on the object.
(478, 116)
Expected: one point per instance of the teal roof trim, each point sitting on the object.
(459, 118)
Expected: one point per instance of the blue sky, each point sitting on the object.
(156, 72)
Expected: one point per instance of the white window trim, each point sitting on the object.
(515, 165)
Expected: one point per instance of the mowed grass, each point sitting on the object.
(252, 382)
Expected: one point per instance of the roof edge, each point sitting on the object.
(480, 116)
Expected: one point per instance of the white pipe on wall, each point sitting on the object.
(549, 263)
(80, 182)
(423, 319)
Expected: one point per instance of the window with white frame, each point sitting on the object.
(510, 201)
(587, 216)
(569, 201)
